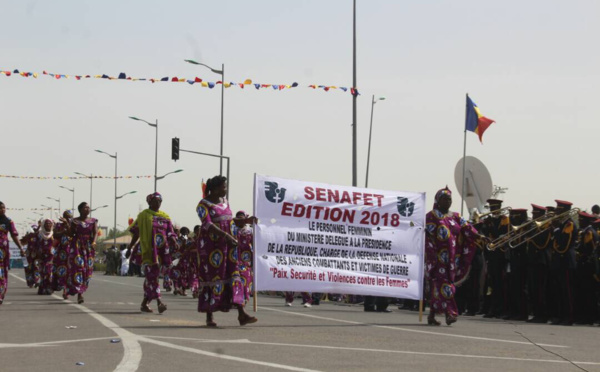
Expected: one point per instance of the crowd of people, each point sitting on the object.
(500, 265)
(505, 265)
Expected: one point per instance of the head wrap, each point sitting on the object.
(438, 195)
(46, 234)
(153, 196)
(244, 214)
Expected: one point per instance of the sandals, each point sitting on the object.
(146, 309)
(246, 319)
(162, 308)
(65, 296)
(431, 321)
(80, 299)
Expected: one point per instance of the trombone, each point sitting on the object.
(476, 217)
(531, 229)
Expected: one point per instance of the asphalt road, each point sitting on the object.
(108, 332)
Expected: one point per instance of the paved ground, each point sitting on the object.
(47, 332)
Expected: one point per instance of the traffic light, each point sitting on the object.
(175, 148)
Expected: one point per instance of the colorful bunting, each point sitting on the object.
(70, 177)
(175, 79)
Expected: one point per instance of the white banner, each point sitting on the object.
(316, 237)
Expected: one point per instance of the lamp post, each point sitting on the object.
(222, 73)
(51, 209)
(114, 157)
(103, 206)
(115, 227)
(373, 102)
(73, 191)
(163, 176)
(155, 125)
(56, 200)
(354, 96)
(91, 177)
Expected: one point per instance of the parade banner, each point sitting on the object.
(324, 238)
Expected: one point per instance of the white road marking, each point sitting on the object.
(52, 343)
(245, 341)
(133, 350)
(223, 356)
(411, 330)
(132, 355)
(126, 284)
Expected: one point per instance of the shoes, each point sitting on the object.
(489, 315)
(555, 321)
(246, 319)
(146, 309)
(369, 309)
(80, 299)
(567, 323)
(450, 320)
(210, 322)
(470, 313)
(537, 320)
(307, 304)
(288, 304)
(384, 311)
(162, 307)
(431, 321)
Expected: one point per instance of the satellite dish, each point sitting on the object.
(478, 186)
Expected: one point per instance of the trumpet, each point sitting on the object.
(531, 229)
(476, 217)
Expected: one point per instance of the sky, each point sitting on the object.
(529, 65)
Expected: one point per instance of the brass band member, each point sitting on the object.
(516, 270)
(562, 266)
(496, 226)
(538, 253)
(586, 301)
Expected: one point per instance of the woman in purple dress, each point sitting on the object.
(154, 230)
(179, 272)
(32, 269)
(7, 227)
(450, 245)
(243, 233)
(84, 232)
(219, 275)
(45, 248)
(61, 255)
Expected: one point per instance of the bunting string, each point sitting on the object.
(196, 80)
(70, 177)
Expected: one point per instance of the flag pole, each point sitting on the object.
(462, 194)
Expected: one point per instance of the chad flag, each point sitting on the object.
(475, 122)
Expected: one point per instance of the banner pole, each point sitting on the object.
(254, 291)
(420, 311)
(462, 194)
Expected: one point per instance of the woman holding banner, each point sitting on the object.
(219, 274)
(449, 248)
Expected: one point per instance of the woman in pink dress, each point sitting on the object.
(219, 274)
(61, 256)
(450, 245)
(7, 227)
(45, 248)
(244, 235)
(84, 231)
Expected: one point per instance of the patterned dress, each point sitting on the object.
(45, 248)
(159, 257)
(32, 270)
(179, 272)
(246, 253)
(7, 227)
(449, 250)
(61, 257)
(81, 257)
(219, 274)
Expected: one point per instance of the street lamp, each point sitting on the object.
(104, 206)
(51, 209)
(91, 177)
(115, 227)
(114, 157)
(72, 191)
(222, 73)
(56, 200)
(373, 102)
(163, 176)
(155, 125)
